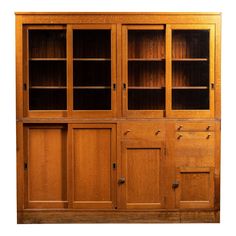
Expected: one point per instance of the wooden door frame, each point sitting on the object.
(190, 113)
(94, 113)
(125, 111)
(96, 205)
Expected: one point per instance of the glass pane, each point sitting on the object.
(190, 70)
(146, 69)
(47, 70)
(92, 69)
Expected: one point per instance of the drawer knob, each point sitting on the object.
(127, 131)
(180, 127)
(157, 132)
(180, 136)
(121, 180)
(208, 136)
(208, 127)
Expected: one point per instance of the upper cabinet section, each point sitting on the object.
(118, 65)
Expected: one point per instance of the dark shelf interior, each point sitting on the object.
(150, 74)
(47, 73)
(47, 43)
(146, 44)
(92, 73)
(146, 99)
(190, 44)
(92, 43)
(190, 74)
(92, 99)
(47, 99)
(190, 99)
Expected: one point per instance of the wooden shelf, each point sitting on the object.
(48, 87)
(92, 87)
(189, 59)
(147, 59)
(47, 59)
(92, 59)
(144, 87)
(190, 87)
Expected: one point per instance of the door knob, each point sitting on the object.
(121, 180)
(175, 184)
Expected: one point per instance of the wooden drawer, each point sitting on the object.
(195, 126)
(194, 135)
(143, 130)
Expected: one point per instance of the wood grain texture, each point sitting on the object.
(46, 171)
(41, 217)
(92, 166)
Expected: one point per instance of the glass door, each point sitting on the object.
(191, 70)
(94, 63)
(46, 76)
(143, 71)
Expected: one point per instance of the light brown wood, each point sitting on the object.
(93, 175)
(142, 170)
(45, 167)
(196, 187)
(133, 92)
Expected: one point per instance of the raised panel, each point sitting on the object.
(142, 169)
(196, 187)
(46, 167)
(92, 167)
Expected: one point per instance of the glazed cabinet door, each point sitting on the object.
(45, 71)
(143, 70)
(190, 70)
(93, 170)
(141, 182)
(92, 69)
(45, 167)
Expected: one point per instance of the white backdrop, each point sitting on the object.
(8, 224)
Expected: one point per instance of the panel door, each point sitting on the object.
(45, 167)
(143, 70)
(93, 166)
(141, 182)
(196, 187)
(92, 69)
(195, 162)
(190, 70)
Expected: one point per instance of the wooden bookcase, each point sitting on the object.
(118, 117)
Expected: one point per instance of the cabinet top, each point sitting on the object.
(118, 13)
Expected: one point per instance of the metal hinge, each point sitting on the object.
(165, 151)
(114, 87)
(212, 86)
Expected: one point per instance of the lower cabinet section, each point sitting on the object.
(109, 170)
(142, 174)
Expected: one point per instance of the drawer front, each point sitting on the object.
(194, 149)
(195, 126)
(143, 130)
(194, 135)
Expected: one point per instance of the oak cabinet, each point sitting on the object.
(118, 117)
